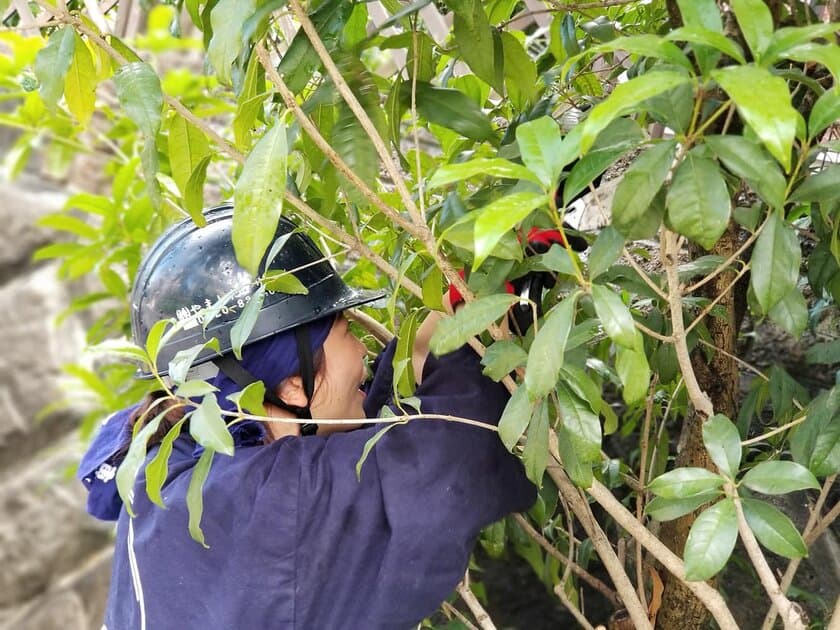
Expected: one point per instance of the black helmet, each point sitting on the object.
(190, 268)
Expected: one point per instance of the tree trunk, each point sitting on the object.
(719, 379)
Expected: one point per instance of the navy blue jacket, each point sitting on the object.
(296, 541)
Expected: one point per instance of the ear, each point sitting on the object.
(291, 392)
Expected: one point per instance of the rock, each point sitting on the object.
(33, 351)
(45, 532)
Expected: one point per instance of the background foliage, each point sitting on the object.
(411, 151)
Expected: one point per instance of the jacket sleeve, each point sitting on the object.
(425, 491)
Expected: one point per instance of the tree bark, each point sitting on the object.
(717, 377)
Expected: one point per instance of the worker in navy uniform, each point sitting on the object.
(295, 539)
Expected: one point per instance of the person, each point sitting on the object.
(294, 539)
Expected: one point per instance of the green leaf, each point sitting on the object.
(682, 483)
(80, 84)
(544, 150)
(634, 373)
(816, 443)
(181, 363)
(701, 13)
(515, 418)
(826, 352)
(625, 98)
(195, 497)
(605, 251)
(707, 37)
(775, 263)
(502, 358)
(779, 477)
(647, 46)
(300, 62)
(500, 217)
(826, 54)
(772, 116)
(789, 37)
(663, 509)
(158, 467)
(155, 337)
(756, 24)
(579, 470)
(745, 158)
(535, 455)
(259, 198)
(580, 422)
(492, 167)
(723, 442)
(227, 19)
(826, 111)
(711, 541)
(477, 44)
(698, 200)
(403, 354)
(355, 147)
(188, 146)
(545, 357)
(433, 290)
(209, 429)
(370, 444)
(249, 104)
(140, 95)
(791, 313)
(618, 138)
(471, 319)
(194, 193)
(615, 316)
(634, 197)
(284, 282)
(195, 388)
(52, 63)
(820, 187)
(251, 398)
(520, 73)
(241, 330)
(134, 458)
(773, 529)
(451, 109)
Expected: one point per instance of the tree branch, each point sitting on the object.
(575, 568)
(669, 246)
(481, 617)
(790, 615)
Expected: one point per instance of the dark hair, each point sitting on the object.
(175, 409)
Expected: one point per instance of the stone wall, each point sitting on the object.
(55, 558)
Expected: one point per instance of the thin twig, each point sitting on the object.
(380, 333)
(726, 263)
(790, 615)
(415, 124)
(717, 299)
(738, 360)
(640, 496)
(575, 568)
(560, 591)
(644, 275)
(784, 427)
(449, 608)
(823, 523)
(670, 252)
(481, 617)
(653, 333)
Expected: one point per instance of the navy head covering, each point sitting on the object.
(271, 360)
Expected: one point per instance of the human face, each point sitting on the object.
(337, 385)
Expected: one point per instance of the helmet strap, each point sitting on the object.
(234, 370)
(307, 374)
